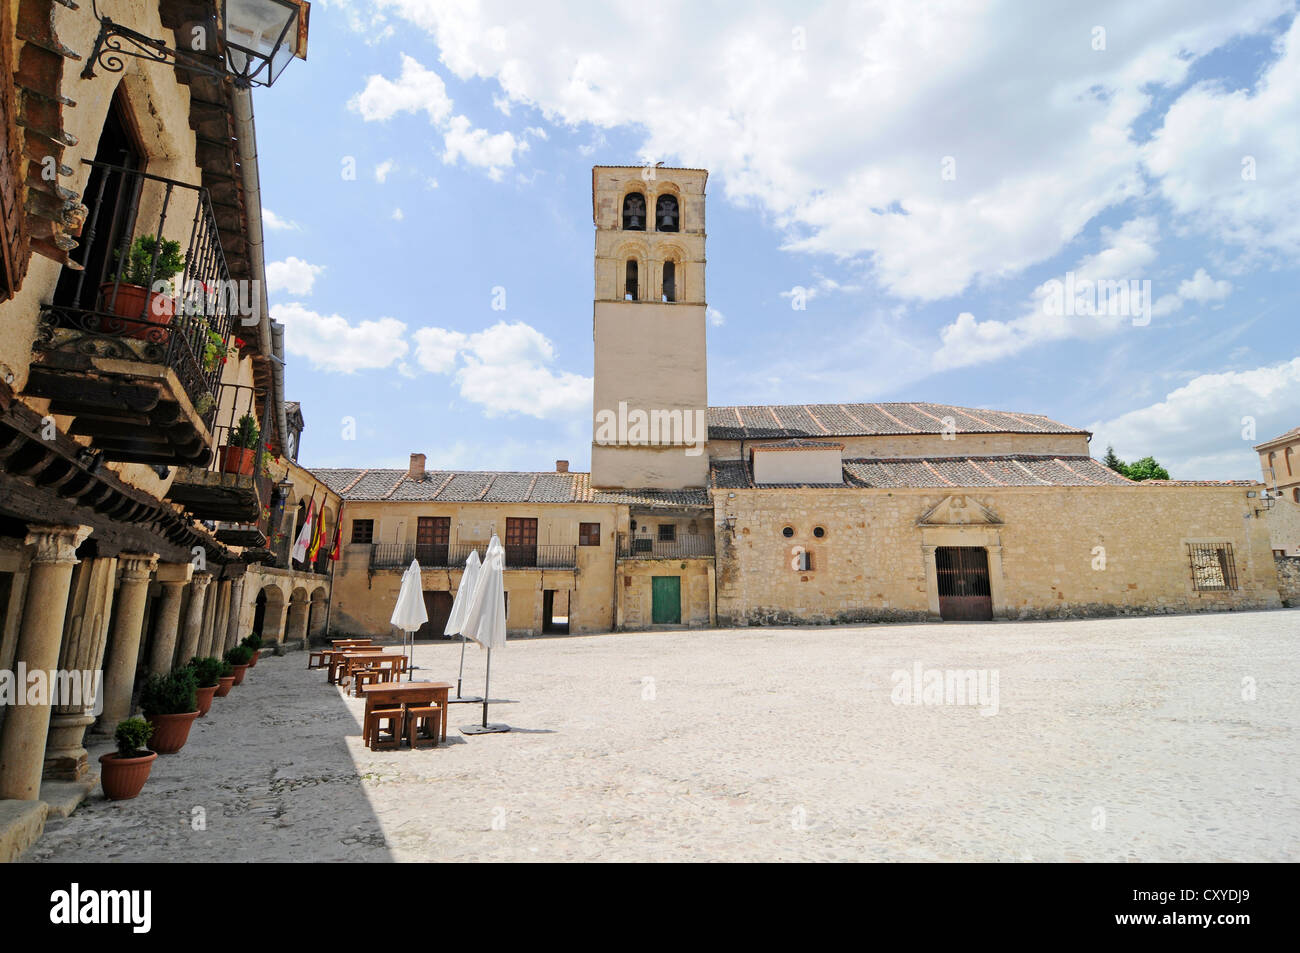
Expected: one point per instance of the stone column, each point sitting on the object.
(22, 749)
(236, 613)
(81, 659)
(133, 571)
(173, 577)
(214, 635)
(194, 617)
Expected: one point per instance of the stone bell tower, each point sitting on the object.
(651, 391)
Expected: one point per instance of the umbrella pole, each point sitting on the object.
(485, 728)
(460, 675)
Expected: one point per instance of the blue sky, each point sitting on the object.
(925, 176)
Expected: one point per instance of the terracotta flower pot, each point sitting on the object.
(239, 460)
(130, 302)
(239, 673)
(170, 732)
(122, 778)
(205, 698)
(256, 655)
(225, 684)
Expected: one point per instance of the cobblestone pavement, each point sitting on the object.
(1145, 739)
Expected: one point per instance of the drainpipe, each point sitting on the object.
(271, 336)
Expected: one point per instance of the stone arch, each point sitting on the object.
(268, 613)
(299, 605)
(318, 607)
(634, 209)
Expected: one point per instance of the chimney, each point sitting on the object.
(416, 470)
(561, 466)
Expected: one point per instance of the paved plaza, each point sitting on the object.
(1168, 738)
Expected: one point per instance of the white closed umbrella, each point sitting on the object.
(409, 613)
(485, 623)
(456, 621)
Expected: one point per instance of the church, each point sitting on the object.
(699, 515)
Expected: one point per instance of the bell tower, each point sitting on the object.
(651, 391)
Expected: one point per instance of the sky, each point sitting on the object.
(899, 195)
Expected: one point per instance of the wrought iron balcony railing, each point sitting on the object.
(234, 486)
(445, 556)
(649, 547)
(127, 301)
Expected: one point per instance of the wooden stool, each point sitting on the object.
(422, 724)
(365, 676)
(317, 659)
(377, 737)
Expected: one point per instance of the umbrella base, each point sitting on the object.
(468, 698)
(489, 729)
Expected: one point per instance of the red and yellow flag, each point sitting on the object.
(338, 535)
(313, 547)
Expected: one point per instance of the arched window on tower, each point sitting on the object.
(629, 288)
(670, 281)
(666, 217)
(634, 212)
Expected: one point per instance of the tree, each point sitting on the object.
(1113, 461)
(1146, 469)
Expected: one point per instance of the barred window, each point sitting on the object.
(667, 532)
(363, 531)
(1213, 568)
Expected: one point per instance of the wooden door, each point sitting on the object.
(964, 593)
(665, 600)
(521, 541)
(437, 605)
(432, 536)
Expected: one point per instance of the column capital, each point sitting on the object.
(54, 543)
(136, 567)
(178, 573)
(200, 581)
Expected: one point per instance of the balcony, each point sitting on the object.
(232, 487)
(132, 341)
(649, 547)
(385, 556)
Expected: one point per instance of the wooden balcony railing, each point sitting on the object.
(649, 547)
(435, 556)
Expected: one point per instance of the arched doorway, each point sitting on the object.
(318, 611)
(268, 614)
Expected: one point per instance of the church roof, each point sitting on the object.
(778, 421)
(939, 472)
(492, 486)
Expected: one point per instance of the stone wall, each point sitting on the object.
(1288, 579)
(1283, 520)
(1053, 551)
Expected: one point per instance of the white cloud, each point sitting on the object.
(292, 275)
(478, 147)
(416, 89)
(1128, 250)
(398, 215)
(1202, 288)
(505, 369)
(383, 169)
(275, 223)
(1039, 124)
(1226, 159)
(716, 317)
(1197, 430)
(331, 343)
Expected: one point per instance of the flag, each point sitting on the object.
(304, 535)
(313, 546)
(337, 546)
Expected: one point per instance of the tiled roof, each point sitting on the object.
(458, 486)
(799, 445)
(776, 421)
(653, 497)
(1200, 483)
(979, 471)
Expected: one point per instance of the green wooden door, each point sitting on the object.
(665, 599)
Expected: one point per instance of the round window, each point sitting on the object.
(819, 532)
(788, 532)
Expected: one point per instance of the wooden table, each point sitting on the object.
(338, 659)
(409, 694)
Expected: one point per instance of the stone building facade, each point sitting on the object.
(136, 516)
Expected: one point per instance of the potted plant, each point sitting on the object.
(238, 658)
(170, 703)
(254, 642)
(239, 453)
(227, 680)
(207, 675)
(123, 772)
(134, 298)
(216, 351)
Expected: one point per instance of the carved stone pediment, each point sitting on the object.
(959, 510)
